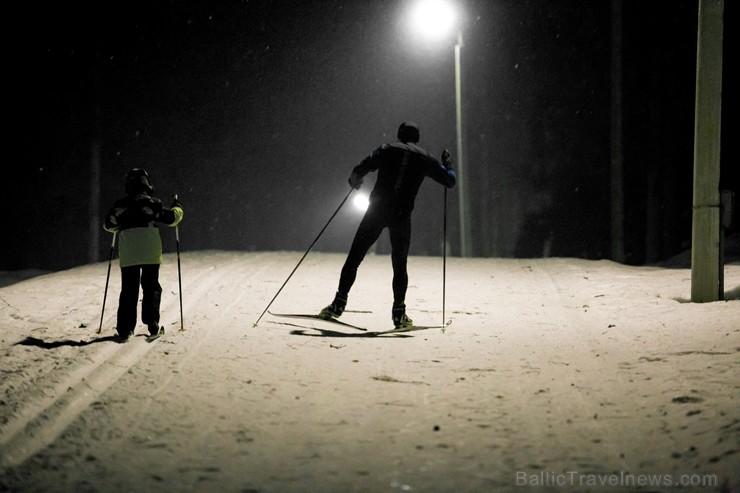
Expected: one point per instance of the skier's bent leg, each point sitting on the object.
(367, 233)
(400, 234)
(152, 296)
(128, 300)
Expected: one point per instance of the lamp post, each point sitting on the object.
(435, 18)
(465, 241)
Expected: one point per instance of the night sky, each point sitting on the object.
(255, 112)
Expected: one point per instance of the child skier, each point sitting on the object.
(135, 219)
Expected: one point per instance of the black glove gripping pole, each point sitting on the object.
(304, 256)
(107, 278)
(179, 272)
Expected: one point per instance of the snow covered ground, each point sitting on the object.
(555, 375)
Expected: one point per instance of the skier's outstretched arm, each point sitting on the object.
(442, 172)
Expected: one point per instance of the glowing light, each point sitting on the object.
(361, 202)
(433, 18)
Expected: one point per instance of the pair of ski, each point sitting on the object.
(397, 330)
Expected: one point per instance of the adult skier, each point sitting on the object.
(402, 167)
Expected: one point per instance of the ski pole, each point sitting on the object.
(179, 272)
(304, 256)
(107, 278)
(444, 257)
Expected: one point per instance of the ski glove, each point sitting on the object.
(176, 203)
(446, 159)
(355, 181)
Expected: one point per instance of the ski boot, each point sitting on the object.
(123, 337)
(335, 309)
(155, 332)
(400, 319)
(155, 329)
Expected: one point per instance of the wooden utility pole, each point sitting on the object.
(617, 148)
(706, 262)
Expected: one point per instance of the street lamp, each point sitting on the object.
(434, 19)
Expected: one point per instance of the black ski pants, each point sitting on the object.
(399, 229)
(131, 277)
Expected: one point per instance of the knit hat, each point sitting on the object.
(137, 181)
(408, 132)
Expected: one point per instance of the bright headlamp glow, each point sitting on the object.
(361, 202)
(433, 18)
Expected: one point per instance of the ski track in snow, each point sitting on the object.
(550, 365)
(44, 418)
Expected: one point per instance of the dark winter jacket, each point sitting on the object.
(135, 218)
(401, 169)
